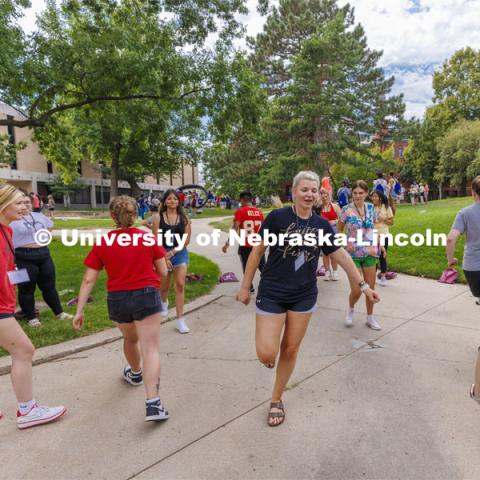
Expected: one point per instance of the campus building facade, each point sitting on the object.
(33, 173)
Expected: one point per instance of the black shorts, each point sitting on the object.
(7, 315)
(126, 306)
(270, 306)
(473, 279)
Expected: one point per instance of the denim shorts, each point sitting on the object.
(7, 315)
(270, 306)
(180, 258)
(126, 306)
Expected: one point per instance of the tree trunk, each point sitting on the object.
(440, 193)
(114, 170)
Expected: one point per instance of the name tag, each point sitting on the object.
(18, 276)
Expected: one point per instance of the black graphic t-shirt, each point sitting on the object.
(290, 273)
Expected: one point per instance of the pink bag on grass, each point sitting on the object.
(449, 276)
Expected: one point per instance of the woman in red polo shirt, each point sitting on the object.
(133, 264)
(12, 338)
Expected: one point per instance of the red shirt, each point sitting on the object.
(250, 219)
(330, 215)
(181, 196)
(130, 267)
(8, 299)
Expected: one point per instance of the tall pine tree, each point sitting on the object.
(324, 83)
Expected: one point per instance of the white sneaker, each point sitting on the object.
(383, 281)
(164, 311)
(349, 317)
(372, 323)
(334, 277)
(34, 323)
(39, 415)
(64, 316)
(327, 276)
(181, 326)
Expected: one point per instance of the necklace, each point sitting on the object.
(168, 219)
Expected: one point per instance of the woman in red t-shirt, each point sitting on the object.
(329, 211)
(12, 338)
(133, 262)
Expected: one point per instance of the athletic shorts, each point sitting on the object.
(473, 279)
(180, 258)
(365, 262)
(7, 315)
(269, 306)
(126, 306)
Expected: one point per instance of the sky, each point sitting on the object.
(416, 36)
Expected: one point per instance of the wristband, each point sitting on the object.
(363, 286)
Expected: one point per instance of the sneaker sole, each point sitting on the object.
(35, 423)
(348, 325)
(372, 327)
(135, 384)
(183, 333)
(156, 418)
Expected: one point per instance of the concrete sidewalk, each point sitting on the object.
(361, 404)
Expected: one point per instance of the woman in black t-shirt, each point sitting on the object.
(287, 293)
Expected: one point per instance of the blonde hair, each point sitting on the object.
(305, 175)
(123, 210)
(8, 195)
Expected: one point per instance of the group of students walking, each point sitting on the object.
(287, 291)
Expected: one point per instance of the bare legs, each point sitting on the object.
(141, 340)
(369, 275)
(14, 340)
(269, 343)
(179, 277)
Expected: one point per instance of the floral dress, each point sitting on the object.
(354, 221)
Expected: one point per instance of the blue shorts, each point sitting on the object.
(126, 306)
(6, 315)
(269, 306)
(180, 258)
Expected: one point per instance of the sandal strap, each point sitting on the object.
(276, 415)
(278, 404)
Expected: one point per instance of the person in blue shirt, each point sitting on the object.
(287, 293)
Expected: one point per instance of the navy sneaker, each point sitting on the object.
(155, 411)
(135, 379)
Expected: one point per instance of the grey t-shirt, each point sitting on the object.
(24, 230)
(468, 222)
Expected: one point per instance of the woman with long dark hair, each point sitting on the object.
(383, 219)
(173, 219)
(12, 337)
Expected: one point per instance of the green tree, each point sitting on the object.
(459, 154)
(86, 52)
(325, 85)
(457, 84)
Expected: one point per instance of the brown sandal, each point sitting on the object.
(272, 415)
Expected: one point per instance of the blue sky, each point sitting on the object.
(416, 36)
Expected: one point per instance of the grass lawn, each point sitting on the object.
(420, 261)
(426, 261)
(68, 261)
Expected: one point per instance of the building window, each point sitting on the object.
(79, 168)
(400, 151)
(49, 167)
(12, 141)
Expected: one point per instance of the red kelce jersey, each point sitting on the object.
(250, 219)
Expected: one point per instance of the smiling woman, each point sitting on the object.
(287, 294)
